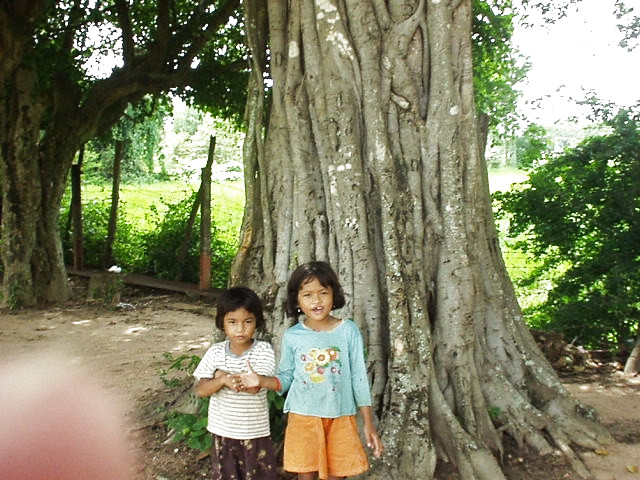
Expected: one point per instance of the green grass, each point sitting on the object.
(227, 200)
(501, 179)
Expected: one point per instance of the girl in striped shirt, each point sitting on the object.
(238, 418)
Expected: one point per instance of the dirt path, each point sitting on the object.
(123, 348)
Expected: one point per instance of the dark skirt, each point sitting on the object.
(252, 459)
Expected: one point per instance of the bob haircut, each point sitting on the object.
(306, 272)
(235, 298)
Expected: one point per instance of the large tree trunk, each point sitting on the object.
(368, 157)
(32, 186)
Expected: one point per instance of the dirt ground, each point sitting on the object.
(123, 347)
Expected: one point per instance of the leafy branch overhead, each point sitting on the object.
(195, 48)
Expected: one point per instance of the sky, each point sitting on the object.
(580, 52)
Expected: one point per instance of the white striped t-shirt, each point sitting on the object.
(238, 415)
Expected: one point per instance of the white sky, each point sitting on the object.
(582, 53)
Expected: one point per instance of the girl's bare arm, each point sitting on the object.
(208, 386)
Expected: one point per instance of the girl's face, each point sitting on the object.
(315, 300)
(239, 326)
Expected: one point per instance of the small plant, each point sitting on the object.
(188, 426)
(494, 412)
(191, 428)
(174, 375)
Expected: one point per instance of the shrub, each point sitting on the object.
(128, 243)
(578, 216)
(166, 238)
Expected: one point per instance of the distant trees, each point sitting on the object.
(141, 129)
(578, 214)
(186, 143)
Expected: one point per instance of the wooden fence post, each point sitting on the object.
(76, 211)
(205, 220)
(115, 199)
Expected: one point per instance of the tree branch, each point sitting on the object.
(163, 34)
(70, 32)
(122, 12)
(211, 23)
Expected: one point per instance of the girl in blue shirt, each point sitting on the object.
(322, 367)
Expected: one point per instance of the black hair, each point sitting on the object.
(321, 271)
(235, 298)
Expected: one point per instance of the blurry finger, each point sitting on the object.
(56, 423)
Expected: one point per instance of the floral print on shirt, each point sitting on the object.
(320, 362)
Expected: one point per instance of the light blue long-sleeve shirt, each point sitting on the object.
(324, 371)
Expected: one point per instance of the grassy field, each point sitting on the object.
(501, 179)
(227, 200)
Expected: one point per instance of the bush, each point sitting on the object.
(165, 239)
(578, 216)
(128, 245)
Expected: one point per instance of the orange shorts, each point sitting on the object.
(329, 446)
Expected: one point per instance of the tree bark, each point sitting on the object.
(20, 191)
(368, 157)
(632, 365)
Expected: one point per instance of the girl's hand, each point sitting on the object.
(236, 383)
(229, 381)
(374, 443)
(250, 379)
(370, 432)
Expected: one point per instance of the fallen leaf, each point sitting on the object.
(204, 454)
(601, 451)
(632, 468)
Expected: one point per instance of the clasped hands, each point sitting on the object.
(248, 381)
